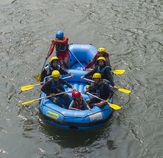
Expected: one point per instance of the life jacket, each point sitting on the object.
(95, 90)
(101, 71)
(108, 82)
(78, 104)
(49, 68)
(56, 86)
(109, 78)
(99, 89)
(62, 46)
(53, 85)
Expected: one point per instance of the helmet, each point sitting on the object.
(101, 58)
(96, 76)
(53, 58)
(101, 50)
(76, 94)
(59, 35)
(55, 74)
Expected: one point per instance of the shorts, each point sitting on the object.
(62, 55)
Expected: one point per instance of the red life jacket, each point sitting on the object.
(62, 45)
(78, 104)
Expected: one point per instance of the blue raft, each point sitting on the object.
(56, 116)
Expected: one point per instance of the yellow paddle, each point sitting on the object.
(31, 86)
(113, 106)
(38, 77)
(28, 87)
(123, 90)
(34, 100)
(118, 72)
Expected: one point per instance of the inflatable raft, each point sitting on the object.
(57, 116)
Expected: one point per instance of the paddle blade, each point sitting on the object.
(38, 77)
(124, 90)
(118, 72)
(29, 102)
(27, 87)
(114, 106)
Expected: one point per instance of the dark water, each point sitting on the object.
(132, 31)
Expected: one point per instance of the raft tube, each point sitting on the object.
(56, 116)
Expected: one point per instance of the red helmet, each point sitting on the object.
(76, 94)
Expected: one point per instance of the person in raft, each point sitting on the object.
(99, 88)
(78, 103)
(61, 45)
(53, 65)
(103, 69)
(56, 85)
(100, 53)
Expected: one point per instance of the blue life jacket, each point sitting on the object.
(57, 86)
(53, 85)
(49, 68)
(103, 69)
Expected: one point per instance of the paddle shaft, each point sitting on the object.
(113, 106)
(48, 54)
(62, 78)
(51, 79)
(33, 100)
(53, 95)
(123, 90)
(44, 63)
(114, 71)
(95, 96)
(88, 80)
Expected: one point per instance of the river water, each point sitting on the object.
(132, 31)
